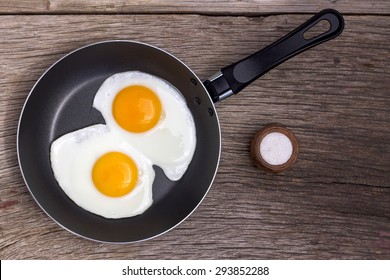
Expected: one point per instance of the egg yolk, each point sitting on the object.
(115, 174)
(136, 108)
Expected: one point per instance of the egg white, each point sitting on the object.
(171, 143)
(73, 157)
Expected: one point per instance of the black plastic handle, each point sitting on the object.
(237, 76)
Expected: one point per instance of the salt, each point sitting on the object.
(276, 148)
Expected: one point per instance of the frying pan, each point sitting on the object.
(61, 102)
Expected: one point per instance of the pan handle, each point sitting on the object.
(235, 77)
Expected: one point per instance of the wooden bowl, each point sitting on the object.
(258, 159)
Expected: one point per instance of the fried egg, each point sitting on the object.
(107, 168)
(102, 173)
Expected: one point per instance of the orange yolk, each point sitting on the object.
(115, 174)
(136, 108)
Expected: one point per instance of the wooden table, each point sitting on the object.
(333, 204)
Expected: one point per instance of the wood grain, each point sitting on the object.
(333, 203)
(232, 7)
(23, 6)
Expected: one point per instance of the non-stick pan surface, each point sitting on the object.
(61, 102)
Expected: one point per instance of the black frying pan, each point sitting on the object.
(61, 102)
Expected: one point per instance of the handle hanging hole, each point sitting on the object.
(317, 29)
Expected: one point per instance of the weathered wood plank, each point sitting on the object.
(23, 6)
(334, 203)
(247, 7)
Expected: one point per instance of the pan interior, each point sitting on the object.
(61, 102)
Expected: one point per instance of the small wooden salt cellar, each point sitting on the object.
(274, 148)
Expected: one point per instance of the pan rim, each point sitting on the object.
(31, 92)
